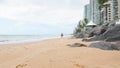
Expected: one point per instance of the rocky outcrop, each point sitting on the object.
(113, 39)
(77, 45)
(96, 38)
(112, 32)
(117, 44)
(92, 32)
(111, 35)
(97, 30)
(104, 46)
(80, 35)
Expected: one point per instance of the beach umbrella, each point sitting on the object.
(91, 24)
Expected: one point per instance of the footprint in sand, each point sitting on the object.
(21, 65)
(79, 66)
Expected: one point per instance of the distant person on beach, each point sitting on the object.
(62, 35)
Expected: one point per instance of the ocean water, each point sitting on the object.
(13, 39)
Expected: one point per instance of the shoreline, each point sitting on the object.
(8, 42)
(54, 53)
(18, 41)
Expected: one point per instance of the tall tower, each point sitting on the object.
(87, 11)
(94, 11)
(115, 9)
(110, 12)
(119, 9)
(107, 12)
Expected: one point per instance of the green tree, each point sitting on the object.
(77, 30)
(80, 27)
(85, 20)
(101, 3)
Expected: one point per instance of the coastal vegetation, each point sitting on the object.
(81, 26)
(101, 3)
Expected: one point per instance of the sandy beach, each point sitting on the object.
(54, 53)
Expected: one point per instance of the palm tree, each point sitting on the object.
(77, 30)
(101, 3)
(80, 27)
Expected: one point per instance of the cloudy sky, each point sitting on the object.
(35, 17)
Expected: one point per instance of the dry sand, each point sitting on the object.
(55, 54)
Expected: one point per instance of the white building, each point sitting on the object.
(107, 12)
(94, 11)
(87, 12)
(119, 9)
(115, 9)
(110, 12)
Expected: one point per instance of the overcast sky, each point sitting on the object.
(35, 17)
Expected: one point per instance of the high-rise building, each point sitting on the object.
(119, 8)
(94, 11)
(107, 12)
(87, 11)
(115, 9)
(110, 11)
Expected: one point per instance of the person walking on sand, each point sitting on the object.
(62, 35)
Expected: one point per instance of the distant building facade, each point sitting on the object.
(94, 11)
(87, 12)
(119, 9)
(107, 12)
(110, 11)
(115, 9)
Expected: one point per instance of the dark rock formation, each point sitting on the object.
(80, 35)
(112, 32)
(113, 39)
(77, 45)
(97, 30)
(118, 44)
(92, 32)
(96, 38)
(104, 46)
(111, 35)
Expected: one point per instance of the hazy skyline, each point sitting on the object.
(40, 16)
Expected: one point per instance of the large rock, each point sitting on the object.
(111, 35)
(113, 39)
(112, 32)
(76, 45)
(96, 38)
(117, 44)
(80, 35)
(97, 30)
(104, 46)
